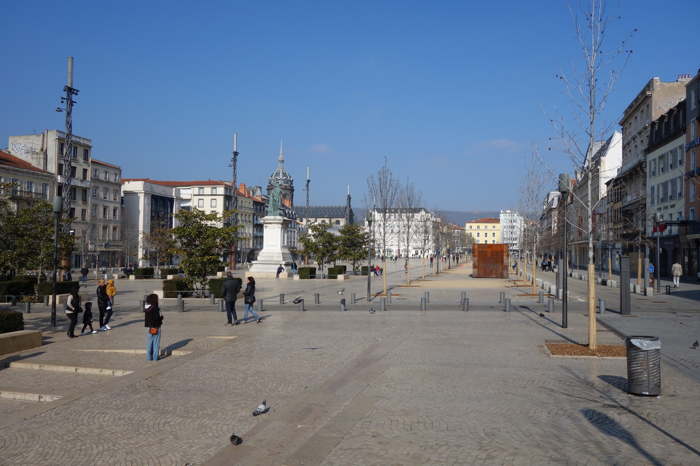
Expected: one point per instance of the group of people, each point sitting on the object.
(106, 291)
(231, 291)
(376, 270)
(547, 264)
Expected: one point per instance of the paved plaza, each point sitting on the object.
(401, 386)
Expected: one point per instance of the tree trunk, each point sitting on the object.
(592, 323)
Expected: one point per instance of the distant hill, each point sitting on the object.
(452, 216)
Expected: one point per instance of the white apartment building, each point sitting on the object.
(422, 233)
(511, 229)
(104, 240)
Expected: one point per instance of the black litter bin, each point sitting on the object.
(643, 365)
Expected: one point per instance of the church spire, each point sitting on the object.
(280, 159)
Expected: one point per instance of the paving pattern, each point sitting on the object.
(395, 387)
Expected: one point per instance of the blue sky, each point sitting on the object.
(455, 94)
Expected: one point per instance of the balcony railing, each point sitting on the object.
(692, 173)
(694, 143)
(23, 194)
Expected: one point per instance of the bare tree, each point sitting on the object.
(409, 201)
(533, 191)
(383, 189)
(589, 89)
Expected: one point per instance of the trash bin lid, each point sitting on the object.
(645, 343)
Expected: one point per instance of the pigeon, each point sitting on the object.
(261, 409)
(371, 310)
(541, 315)
(236, 440)
(297, 300)
(695, 345)
(341, 291)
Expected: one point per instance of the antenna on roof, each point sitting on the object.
(308, 183)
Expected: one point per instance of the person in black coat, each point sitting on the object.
(102, 302)
(249, 300)
(231, 288)
(153, 321)
(87, 318)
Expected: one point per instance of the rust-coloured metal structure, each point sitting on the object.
(490, 260)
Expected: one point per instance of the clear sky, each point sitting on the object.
(455, 94)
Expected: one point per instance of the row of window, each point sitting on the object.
(27, 186)
(105, 193)
(105, 212)
(106, 175)
(669, 190)
(478, 227)
(486, 234)
(667, 161)
(86, 152)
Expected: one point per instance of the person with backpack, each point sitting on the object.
(87, 318)
(231, 287)
(153, 321)
(72, 309)
(249, 300)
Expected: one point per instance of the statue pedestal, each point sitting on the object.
(274, 252)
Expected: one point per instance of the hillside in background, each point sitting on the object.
(451, 216)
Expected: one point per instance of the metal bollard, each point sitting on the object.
(222, 305)
(422, 303)
(550, 305)
(47, 299)
(668, 289)
(281, 298)
(301, 305)
(601, 306)
(540, 297)
(353, 298)
(343, 307)
(317, 298)
(181, 305)
(28, 308)
(260, 305)
(427, 297)
(500, 297)
(382, 304)
(465, 304)
(507, 304)
(212, 299)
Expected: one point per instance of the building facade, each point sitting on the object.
(691, 239)
(45, 151)
(665, 161)
(511, 229)
(23, 183)
(104, 243)
(484, 230)
(420, 241)
(629, 215)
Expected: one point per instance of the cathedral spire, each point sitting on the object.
(280, 159)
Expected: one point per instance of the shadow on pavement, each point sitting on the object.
(559, 334)
(609, 426)
(592, 416)
(5, 362)
(177, 345)
(615, 381)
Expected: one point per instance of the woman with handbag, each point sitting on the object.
(72, 310)
(249, 300)
(153, 321)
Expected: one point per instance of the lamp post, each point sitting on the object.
(369, 257)
(657, 267)
(57, 208)
(564, 183)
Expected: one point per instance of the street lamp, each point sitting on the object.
(657, 267)
(564, 183)
(57, 208)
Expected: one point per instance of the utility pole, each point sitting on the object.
(66, 177)
(234, 177)
(308, 183)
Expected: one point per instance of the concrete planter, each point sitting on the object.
(342, 276)
(132, 277)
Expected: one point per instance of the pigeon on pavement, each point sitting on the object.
(261, 409)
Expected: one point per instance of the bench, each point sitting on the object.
(20, 340)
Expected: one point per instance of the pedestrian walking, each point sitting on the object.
(153, 321)
(87, 318)
(651, 274)
(102, 303)
(111, 292)
(84, 274)
(72, 310)
(676, 271)
(231, 286)
(280, 269)
(249, 300)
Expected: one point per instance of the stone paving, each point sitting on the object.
(396, 387)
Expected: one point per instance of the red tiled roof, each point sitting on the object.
(178, 183)
(485, 220)
(15, 162)
(100, 162)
